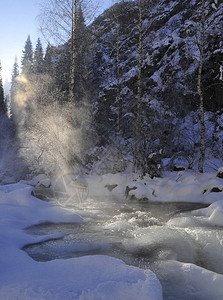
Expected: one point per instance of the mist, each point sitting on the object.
(47, 141)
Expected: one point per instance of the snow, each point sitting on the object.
(186, 281)
(96, 277)
(43, 180)
(101, 277)
(90, 277)
(212, 214)
(184, 239)
(182, 186)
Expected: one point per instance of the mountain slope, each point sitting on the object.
(170, 53)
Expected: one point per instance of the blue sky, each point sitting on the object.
(18, 20)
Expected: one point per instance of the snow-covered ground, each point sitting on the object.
(182, 186)
(103, 277)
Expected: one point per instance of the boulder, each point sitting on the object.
(179, 168)
(42, 180)
(220, 173)
(111, 187)
(215, 190)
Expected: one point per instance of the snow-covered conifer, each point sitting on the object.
(2, 97)
(38, 58)
(27, 57)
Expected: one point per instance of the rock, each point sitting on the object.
(43, 193)
(42, 180)
(215, 190)
(111, 187)
(179, 168)
(128, 189)
(220, 173)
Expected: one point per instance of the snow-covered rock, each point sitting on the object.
(220, 173)
(42, 180)
(212, 214)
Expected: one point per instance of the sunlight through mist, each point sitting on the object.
(48, 143)
(25, 93)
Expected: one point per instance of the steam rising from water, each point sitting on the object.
(26, 93)
(47, 141)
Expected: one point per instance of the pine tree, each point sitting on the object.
(2, 97)
(48, 61)
(38, 58)
(14, 83)
(15, 70)
(27, 58)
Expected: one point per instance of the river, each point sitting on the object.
(140, 233)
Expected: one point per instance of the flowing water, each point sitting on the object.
(139, 233)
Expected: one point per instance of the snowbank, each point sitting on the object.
(182, 186)
(186, 281)
(212, 215)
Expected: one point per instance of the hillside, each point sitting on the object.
(170, 57)
(170, 50)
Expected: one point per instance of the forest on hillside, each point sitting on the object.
(140, 88)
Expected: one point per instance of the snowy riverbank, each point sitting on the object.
(182, 186)
(91, 277)
(102, 277)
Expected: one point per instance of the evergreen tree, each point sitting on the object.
(2, 97)
(15, 71)
(48, 60)
(38, 58)
(27, 58)
(14, 83)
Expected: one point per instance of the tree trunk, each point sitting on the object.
(71, 99)
(202, 123)
(118, 100)
(138, 137)
(73, 60)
